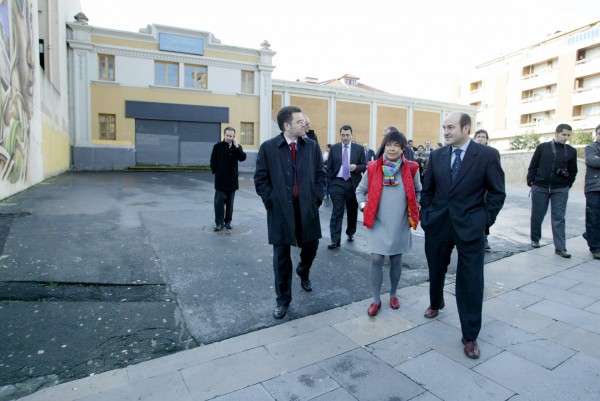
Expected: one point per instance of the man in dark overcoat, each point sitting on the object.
(224, 165)
(290, 180)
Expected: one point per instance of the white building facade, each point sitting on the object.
(534, 89)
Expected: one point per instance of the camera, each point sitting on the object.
(562, 172)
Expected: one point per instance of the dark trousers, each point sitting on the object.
(223, 207)
(342, 196)
(282, 261)
(592, 220)
(540, 198)
(469, 275)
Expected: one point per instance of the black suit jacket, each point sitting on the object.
(475, 198)
(357, 156)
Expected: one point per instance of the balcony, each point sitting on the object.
(536, 80)
(586, 96)
(587, 66)
(538, 103)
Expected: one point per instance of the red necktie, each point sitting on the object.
(293, 146)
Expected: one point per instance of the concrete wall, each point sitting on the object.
(516, 163)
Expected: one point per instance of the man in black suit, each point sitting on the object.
(310, 133)
(463, 192)
(345, 164)
(369, 153)
(224, 165)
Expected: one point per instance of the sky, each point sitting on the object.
(408, 48)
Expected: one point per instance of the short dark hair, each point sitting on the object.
(597, 128)
(482, 131)
(392, 136)
(285, 115)
(465, 120)
(229, 129)
(561, 127)
(346, 127)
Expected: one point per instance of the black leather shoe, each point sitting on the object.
(218, 228)
(279, 311)
(563, 253)
(350, 238)
(228, 226)
(535, 244)
(306, 285)
(333, 245)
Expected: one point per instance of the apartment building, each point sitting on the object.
(534, 89)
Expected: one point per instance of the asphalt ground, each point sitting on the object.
(105, 270)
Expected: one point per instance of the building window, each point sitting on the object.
(108, 126)
(247, 133)
(166, 74)
(475, 86)
(196, 76)
(247, 81)
(106, 67)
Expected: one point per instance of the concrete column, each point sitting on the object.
(373, 134)
(265, 102)
(332, 134)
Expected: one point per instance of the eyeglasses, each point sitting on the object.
(299, 122)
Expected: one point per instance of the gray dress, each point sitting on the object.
(390, 233)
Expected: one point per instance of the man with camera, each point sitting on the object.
(551, 174)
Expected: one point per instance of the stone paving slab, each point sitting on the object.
(367, 378)
(160, 388)
(567, 314)
(529, 380)
(518, 317)
(451, 380)
(303, 384)
(558, 295)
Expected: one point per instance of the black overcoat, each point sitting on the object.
(224, 165)
(274, 183)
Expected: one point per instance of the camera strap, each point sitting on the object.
(554, 149)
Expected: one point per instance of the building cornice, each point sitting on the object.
(319, 91)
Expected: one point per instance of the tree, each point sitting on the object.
(580, 137)
(528, 140)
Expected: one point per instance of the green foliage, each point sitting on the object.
(580, 137)
(528, 140)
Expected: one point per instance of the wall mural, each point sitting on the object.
(17, 65)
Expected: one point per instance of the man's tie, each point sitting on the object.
(293, 146)
(345, 165)
(455, 164)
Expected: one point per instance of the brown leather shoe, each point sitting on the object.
(431, 313)
(471, 348)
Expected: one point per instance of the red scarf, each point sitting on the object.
(375, 174)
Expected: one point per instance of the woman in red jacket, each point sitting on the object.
(388, 196)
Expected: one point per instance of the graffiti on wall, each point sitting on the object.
(17, 65)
